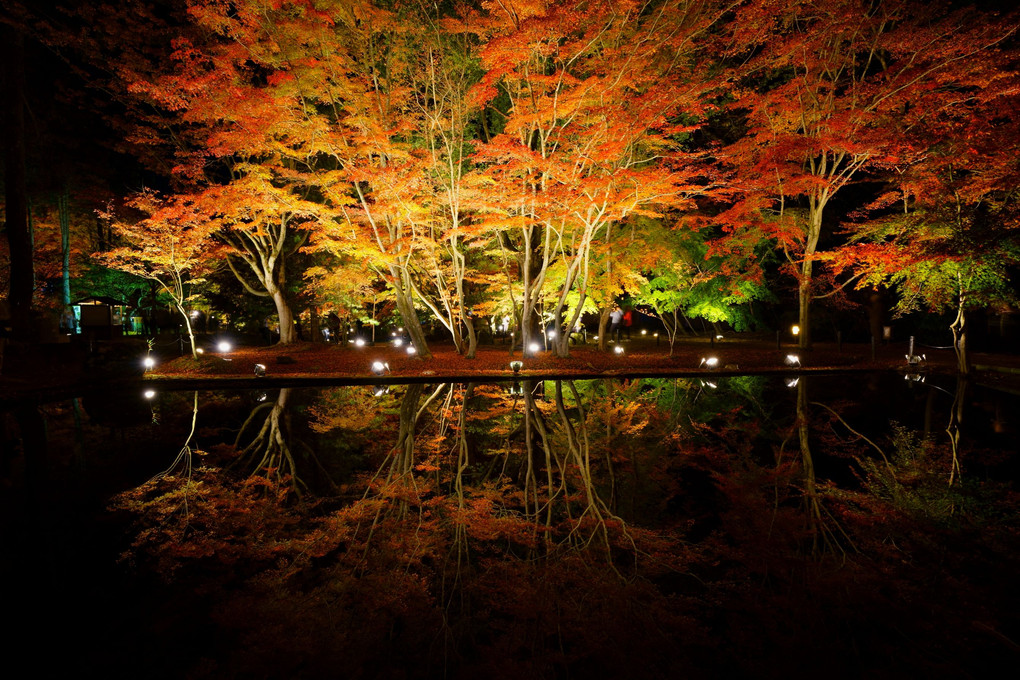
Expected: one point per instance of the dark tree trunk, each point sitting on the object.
(19, 237)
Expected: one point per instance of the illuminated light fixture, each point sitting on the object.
(148, 362)
(655, 335)
(399, 342)
(194, 314)
(149, 394)
(596, 337)
(516, 366)
(914, 377)
(709, 362)
(224, 346)
(644, 332)
(793, 360)
(618, 349)
(551, 334)
(401, 329)
(718, 336)
(795, 330)
(199, 350)
(359, 342)
(380, 367)
(411, 349)
(393, 334)
(534, 348)
(260, 370)
(262, 396)
(516, 388)
(709, 383)
(792, 382)
(381, 391)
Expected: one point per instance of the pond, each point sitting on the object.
(860, 524)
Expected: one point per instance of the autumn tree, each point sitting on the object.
(591, 94)
(169, 245)
(830, 92)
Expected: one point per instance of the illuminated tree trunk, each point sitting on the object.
(959, 329)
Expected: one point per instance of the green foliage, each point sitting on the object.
(696, 284)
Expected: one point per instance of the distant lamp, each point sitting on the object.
(411, 350)
(149, 394)
(516, 366)
(551, 335)
(260, 370)
(795, 330)
(792, 382)
(380, 367)
(359, 342)
(148, 362)
(399, 342)
(400, 329)
(718, 336)
(199, 350)
(534, 348)
(793, 360)
(618, 349)
(644, 332)
(709, 362)
(224, 346)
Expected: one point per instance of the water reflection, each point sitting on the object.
(653, 526)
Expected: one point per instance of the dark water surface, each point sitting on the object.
(852, 525)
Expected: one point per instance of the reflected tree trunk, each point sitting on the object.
(953, 426)
(270, 447)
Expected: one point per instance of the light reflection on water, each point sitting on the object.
(654, 525)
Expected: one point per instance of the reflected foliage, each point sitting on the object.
(554, 528)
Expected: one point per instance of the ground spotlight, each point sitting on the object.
(516, 366)
(381, 390)
(534, 348)
(551, 335)
(709, 362)
(411, 350)
(199, 350)
(795, 330)
(380, 367)
(224, 346)
(618, 349)
(149, 394)
(792, 382)
(260, 370)
(709, 383)
(148, 362)
(644, 332)
(398, 342)
(359, 342)
(793, 360)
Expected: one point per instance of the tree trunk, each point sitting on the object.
(603, 325)
(959, 329)
(19, 237)
(804, 308)
(286, 317)
(405, 305)
(65, 249)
